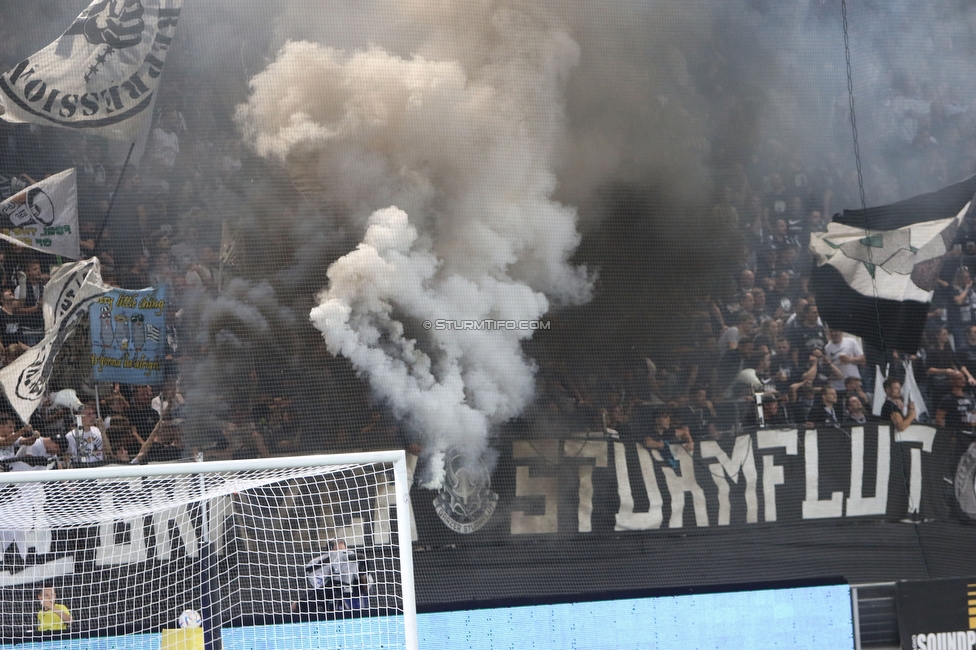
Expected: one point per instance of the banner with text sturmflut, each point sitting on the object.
(584, 515)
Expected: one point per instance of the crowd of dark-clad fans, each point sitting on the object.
(764, 334)
(160, 242)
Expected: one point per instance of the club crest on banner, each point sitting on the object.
(465, 502)
(37, 208)
(44, 216)
(965, 482)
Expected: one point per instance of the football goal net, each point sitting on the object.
(300, 552)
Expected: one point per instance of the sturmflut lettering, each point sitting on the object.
(124, 540)
(680, 482)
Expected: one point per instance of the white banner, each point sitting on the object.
(44, 216)
(100, 75)
(67, 296)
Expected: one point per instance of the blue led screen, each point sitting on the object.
(769, 618)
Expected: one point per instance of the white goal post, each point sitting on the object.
(291, 552)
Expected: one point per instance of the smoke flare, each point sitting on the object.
(467, 157)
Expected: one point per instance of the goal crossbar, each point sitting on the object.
(293, 467)
(397, 458)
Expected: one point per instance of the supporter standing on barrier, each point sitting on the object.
(894, 409)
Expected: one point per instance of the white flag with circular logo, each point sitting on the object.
(101, 75)
(44, 216)
(67, 296)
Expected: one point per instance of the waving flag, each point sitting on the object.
(877, 268)
(67, 296)
(100, 75)
(44, 216)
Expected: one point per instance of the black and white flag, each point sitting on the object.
(876, 269)
(44, 216)
(67, 296)
(101, 75)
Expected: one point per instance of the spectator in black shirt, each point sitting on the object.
(825, 413)
(31, 305)
(957, 410)
(803, 404)
(785, 372)
(940, 362)
(894, 409)
(699, 416)
(966, 355)
(141, 413)
(960, 313)
(853, 388)
(781, 297)
(775, 411)
(662, 434)
(806, 334)
(10, 332)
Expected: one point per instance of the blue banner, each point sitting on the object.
(128, 330)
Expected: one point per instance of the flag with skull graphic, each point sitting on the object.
(101, 75)
(44, 216)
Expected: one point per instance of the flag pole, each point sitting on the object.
(111, 202)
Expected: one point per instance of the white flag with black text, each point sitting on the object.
(44, 216)
(101, 75)
(67, 296)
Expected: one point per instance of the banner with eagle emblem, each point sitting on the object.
(101, 75)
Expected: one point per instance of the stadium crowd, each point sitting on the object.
(149, 224)
(160, 245)
(764, 332)
(164, 238)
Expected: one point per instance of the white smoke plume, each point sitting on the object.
(446, 159)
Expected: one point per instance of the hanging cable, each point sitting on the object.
(874, 282)
(860, 174)
(850, 97)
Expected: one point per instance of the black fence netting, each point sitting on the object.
(554, 250)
